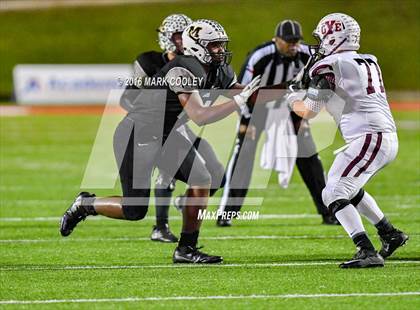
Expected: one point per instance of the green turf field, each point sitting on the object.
(117, 34)
(288, 260)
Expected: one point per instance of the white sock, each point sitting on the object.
(350, 219)
(369, 209)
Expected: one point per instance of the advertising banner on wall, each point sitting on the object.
(68, 84)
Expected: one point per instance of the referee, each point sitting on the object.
(277, 61)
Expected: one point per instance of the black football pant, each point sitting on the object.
(163, 192)
(240, 166)
(137, 154)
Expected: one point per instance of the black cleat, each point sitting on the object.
(328, 219)
(191, 255)
(391, 242)
(221, 222)
(163, 234)
(75, 214)
(364, 259)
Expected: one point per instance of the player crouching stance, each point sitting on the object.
(148, 137)
(367, 127)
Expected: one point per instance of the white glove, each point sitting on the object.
(293, 97)
(298, 78)
(243, 96)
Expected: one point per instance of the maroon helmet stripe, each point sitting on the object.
(358, 157)
(372, 156)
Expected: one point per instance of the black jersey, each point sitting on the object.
(157, 108)
(146, 65)
(149, 63)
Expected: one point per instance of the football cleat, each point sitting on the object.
(391, 242)
(328, 219)
(163, 234)
(75, 214)
(223, 222)
(192, 255)
(364, 259)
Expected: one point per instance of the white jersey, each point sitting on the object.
(358, 81)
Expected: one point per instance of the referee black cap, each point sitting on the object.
(289, 30)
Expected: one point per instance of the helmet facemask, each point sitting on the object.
(207, 41)
(217, 53)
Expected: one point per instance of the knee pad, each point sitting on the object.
(338, 205)
(356, 199)
(134, 213)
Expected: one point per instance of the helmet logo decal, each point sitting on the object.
(331, 26)
(193, 32)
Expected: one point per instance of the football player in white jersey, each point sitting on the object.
(367, 126)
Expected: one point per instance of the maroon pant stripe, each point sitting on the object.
(358, 157)
(372, 156)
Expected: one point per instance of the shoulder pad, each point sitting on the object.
(322, 67)
(150, 56)
(182, 79)
(192, 64)
(149, 62)
(369, 56)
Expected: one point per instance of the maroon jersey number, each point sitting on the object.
(367, 63)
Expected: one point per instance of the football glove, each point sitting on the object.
(243, 96)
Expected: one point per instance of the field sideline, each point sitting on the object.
(283, 259)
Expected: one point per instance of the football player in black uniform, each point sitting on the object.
(148, 137)
(147, 65)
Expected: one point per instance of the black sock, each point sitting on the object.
(362, 241)
(162, 215)
(384, 226)
(189, 239)
(87, 205)
(163, 199)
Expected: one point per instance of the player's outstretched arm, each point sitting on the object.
(201, 115)
(320, 90)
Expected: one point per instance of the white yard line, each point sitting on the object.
(176, 298)
(171, 218)
(244, 265)
(176, 217)
(59, 239)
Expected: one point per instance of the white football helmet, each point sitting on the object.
(337, 32)
(172, 24)
(199, 34)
